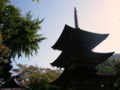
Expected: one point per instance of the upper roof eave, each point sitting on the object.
(79, 34)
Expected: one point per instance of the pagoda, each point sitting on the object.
(79, 61)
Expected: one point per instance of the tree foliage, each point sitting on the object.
(19, 31)
(36, 0)
(5, 63)
(18, 36)
(107, 66)
(37, 78)
(117, 65)
(117, 83)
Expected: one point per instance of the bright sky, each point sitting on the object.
(98, 16)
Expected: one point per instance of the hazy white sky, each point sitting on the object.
(98, 16)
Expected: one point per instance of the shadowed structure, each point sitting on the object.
(13, 84)
(79, 61)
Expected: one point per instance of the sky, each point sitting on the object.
(98, 16)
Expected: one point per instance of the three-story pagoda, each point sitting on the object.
(79, 61)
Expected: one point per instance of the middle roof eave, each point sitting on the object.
(64, 58)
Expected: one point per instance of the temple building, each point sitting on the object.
(13, 84)
(79, 61)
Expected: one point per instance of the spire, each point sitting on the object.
(75, 17)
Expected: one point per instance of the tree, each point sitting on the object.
(37, 78)
(107, 66)
(117, 65)
(36, 0)
(5, 63)
(19, 32)
(19, 35)
(117, 83)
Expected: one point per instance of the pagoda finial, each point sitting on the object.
(75, 17)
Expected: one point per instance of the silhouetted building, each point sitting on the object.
(79, 61)
(13, 84)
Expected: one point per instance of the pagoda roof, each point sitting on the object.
(69, 58)
(83, 81)
(13, 83)
(78, 39)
